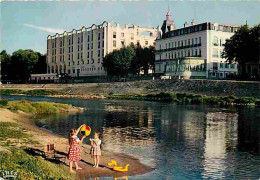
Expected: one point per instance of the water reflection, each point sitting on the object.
(220, 137)
(249, 130)
(177, 141)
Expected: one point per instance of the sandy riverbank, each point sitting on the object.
(43, 137)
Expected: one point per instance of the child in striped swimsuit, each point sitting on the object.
(95, 150)
(74, 154)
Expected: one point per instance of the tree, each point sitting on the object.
(18, 67)
(40, 67)
(5, 63)
(119, 61)
(243, 47)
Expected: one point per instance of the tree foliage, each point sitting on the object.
(129, 60)
(243, 47)
(17, 67)
(118, 62)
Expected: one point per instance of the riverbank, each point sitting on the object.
(21, 140)
(201, 87)
(185, 98)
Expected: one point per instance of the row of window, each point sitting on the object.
(83, 62)
(44, 78)
(52, 70)
(181, 54)
(182, 43)
(80, 56)
(71, 40)
(223, 65)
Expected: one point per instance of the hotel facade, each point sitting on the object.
(193, 51)
(81, 52)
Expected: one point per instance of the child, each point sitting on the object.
(74, 154)
(95, 150)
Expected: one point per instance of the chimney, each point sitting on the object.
(185, 24)
(192, 22)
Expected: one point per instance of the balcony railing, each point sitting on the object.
(178, 48)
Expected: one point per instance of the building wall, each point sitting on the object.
(84, 56)
(207, 43)
(216, 39)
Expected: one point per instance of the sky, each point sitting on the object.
(26, 24)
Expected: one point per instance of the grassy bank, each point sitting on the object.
(35, 107)
(36, 92)
(186, 98)
(15, 139)
(16, 159)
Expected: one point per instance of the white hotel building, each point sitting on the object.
(80, 52)
(193, 51)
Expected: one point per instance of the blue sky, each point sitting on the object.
(26, 25)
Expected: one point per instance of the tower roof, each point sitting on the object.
(168, 24)
(168, 15)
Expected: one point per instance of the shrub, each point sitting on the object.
(181, 97)
(229, 99)
(197, 100)
(211, 100)
(3, 102)
(245, 100)
(11, 91)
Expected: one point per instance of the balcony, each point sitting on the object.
(178, 48)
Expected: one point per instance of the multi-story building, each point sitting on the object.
(193, 51)
(81, 52)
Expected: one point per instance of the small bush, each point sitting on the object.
(197, 100)
(246, 100)
(3, 102)
(211, 100)
(229, 99)
(11, 91)
(188, 98)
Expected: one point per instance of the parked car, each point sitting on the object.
(165, 77)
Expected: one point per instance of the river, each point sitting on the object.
(177, 141)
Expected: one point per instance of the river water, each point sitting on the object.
(177, 141)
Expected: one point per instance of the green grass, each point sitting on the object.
(12, 134)
(187, 98)
(32, 167)
(36, 92)
(11, 130)
(10, 91)
(37, 107)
